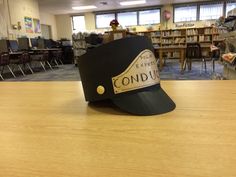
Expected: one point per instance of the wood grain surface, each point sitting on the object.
(48, 130)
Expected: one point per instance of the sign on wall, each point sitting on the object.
(37, 28)
(28, 25)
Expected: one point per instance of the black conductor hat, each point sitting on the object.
(125, 71)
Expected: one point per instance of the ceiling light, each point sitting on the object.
(84, 7)
(128, 3)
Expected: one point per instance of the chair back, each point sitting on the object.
(57, 54)
(25, 57)
(4, 59)
(45, 55)
(215, 54)
(193, 51)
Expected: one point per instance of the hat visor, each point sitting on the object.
(148, 102)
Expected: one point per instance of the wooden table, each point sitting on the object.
(180, 49)
(45, 49)
(19, 53)
(48, 130)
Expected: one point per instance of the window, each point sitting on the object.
(149, 17)
(127, 18)
(78, 23)
(103, 20)
(230, 6)
(211, 11)
(187, 13)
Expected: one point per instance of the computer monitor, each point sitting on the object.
(41, 43)
(3, 46)
(48, 43)
(23, 43)
(66, 43)
(13, 44)
(34, 43)
(54, 44)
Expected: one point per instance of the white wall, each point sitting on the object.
(3, 19)
(18, 10)
(60, 24)
(64, 23)
(64, 27)
(65, 30)
(49, 19)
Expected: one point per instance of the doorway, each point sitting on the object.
(46, 31)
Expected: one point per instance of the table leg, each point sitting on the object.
(160, 59)
(182, 60)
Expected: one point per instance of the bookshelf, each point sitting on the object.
(206, 36)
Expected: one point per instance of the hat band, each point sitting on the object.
(142, 72)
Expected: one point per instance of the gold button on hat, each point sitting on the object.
(100, 90)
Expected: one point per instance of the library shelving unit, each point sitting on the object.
(206, 36)
(79, 45)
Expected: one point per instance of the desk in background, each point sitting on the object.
(180, 49)
(49, 49)
(40, 51)
(115, 35)
(47, 129)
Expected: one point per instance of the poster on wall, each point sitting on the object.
(28, 25)
(36, 25)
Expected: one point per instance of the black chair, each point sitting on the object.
(43, 58)
(215, 56)
(57, 57)
(5, 61)
(194, 52)
(23, 60)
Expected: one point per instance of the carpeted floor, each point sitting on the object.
(62, 73)
(170, 71)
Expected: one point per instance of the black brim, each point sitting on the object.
(148, 102)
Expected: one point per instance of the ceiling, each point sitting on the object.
(65, 6)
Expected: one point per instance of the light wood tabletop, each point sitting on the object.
(48, 130)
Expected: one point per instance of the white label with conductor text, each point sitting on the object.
(141, 73)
